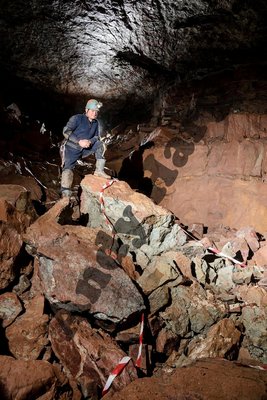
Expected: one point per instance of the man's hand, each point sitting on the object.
(84, 143)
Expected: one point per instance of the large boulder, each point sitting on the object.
(87, 354)
(27, 336)
(143, 227)
(20, 379)
(16, 214)
(76, 273)
(206, 379)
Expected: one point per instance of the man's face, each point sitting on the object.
(91, 114)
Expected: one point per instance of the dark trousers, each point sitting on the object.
(72, 153)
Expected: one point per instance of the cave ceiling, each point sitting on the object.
(126, 49)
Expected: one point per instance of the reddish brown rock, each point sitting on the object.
(92, 281)
(184, 173)
(27, 336)
(252, 295)
(162, 269)
(167, 342)
(23, 380)
(46, 227)
(16, 214)
(235, 126)
(27, 182)
(239, 245)
(155, 324)
(158, 299)
(250, 235)
(183, 264)
(129, 267)
(10, 247)
(19, 220)
(196, 230)
(130, 335)
(236, 159)
(87, 354)
(16, 195)
(245, 125)
(221, 340)
(36, 283)
(145, 358)
(260, 256)
(21, 209)
(241, 193)
(207, 379)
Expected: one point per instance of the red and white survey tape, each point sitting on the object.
(215, 251)
(116, 371)
(109, 223)
(262, 367)
(139, 355)
(124, 361)
(102, 203)
(221, 254)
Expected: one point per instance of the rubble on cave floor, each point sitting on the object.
(78, 291)
(77, 278)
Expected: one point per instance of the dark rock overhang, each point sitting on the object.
(122, 51)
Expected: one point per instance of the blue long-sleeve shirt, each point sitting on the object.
(81, 128)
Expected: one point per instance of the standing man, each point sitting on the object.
(81, 139)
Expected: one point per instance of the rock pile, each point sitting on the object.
(74, 285)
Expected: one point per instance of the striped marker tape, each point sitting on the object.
(124, 361)
(212, 249)
(119, 368)
(221, 254)
(109, 252)
(102, 203)
(139, 356)
(217, 252)
(262, 367)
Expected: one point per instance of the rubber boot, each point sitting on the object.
(99, 168)
(66, 182)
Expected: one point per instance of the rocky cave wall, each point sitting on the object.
(54, 55)
(206, 159)
(190, 67)
(214, 162)
(196, 72)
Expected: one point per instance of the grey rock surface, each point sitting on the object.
(126, 49)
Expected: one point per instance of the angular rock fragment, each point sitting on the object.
(144, 228)
(28, 335)
(77, 275)
(88, 355)
(10, 308)
(20, 379)
(10, 247)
